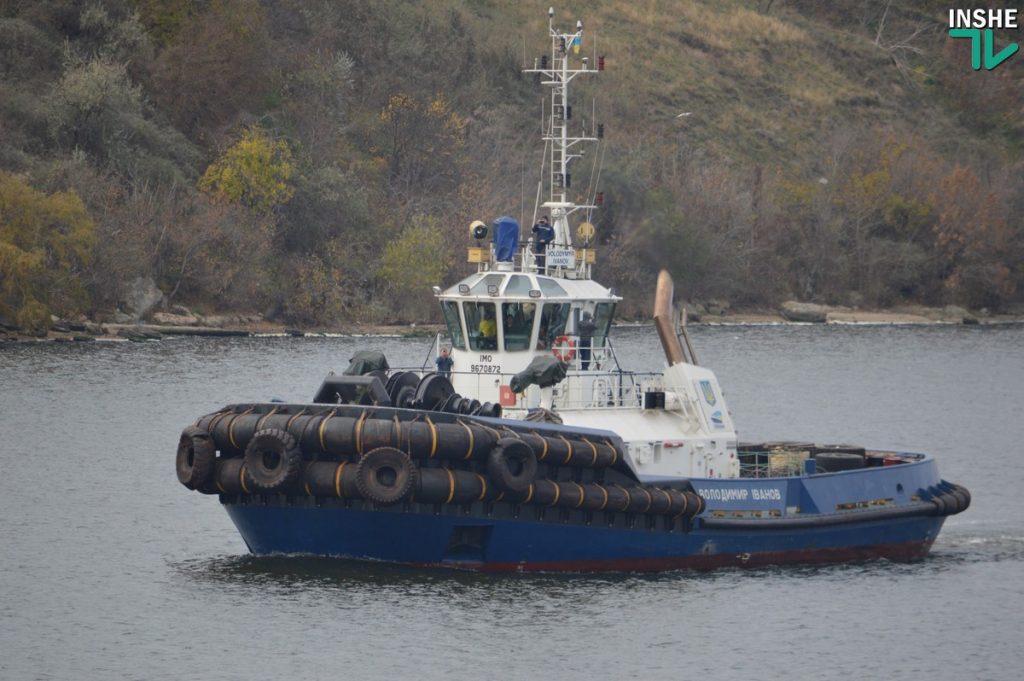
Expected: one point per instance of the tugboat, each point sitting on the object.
(535, 450)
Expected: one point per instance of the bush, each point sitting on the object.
(411, 265)
(255, 171)
(45, 241)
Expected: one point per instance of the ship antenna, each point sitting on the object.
(557, 72)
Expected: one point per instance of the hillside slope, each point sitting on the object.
(320, 161)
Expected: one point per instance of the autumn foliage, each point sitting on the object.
(45, 243)
(254, 171)
(319, 161)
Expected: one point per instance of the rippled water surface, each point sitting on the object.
(109, 569)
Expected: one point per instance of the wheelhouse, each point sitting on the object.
(513, 312)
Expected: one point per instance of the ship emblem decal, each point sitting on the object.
(709, 392)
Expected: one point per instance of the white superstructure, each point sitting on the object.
(524, 302)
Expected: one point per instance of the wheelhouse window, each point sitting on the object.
(518, 285)
(450, 310)
(553, 319)
(518, 320)
(550, 287)
(481, 325)
(603, 313)
(488, 285)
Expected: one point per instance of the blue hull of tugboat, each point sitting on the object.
(854, 515)
(423, 539)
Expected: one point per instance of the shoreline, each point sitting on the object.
(85, 331)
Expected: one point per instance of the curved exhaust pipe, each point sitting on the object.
(664, 321)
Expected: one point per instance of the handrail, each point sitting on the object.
(623, 386)
(433, 351)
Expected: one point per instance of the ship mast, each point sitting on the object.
(557, 72)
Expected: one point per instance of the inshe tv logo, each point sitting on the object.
(977, 24)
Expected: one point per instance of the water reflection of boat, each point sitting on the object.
(538, 450)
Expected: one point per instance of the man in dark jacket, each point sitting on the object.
(444, 363)
(585, 333)
(543, 234)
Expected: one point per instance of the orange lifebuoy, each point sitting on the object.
(564, 349)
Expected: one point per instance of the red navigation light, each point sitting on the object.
(599, 199)
(600, 63)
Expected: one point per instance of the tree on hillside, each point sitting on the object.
(45, 242)
(217, 69)
(413, 262)
(421, 143)
(96, 109)
(975, 241)
(255, 171)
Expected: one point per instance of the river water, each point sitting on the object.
(109, 569)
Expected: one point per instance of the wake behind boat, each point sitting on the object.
(535, 449)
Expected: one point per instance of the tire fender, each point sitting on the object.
(273, 460)
(512, 465)
(385, 476)
(196, 455)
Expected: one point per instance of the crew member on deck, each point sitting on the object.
(543, 234)
(444, 363)
(585, 332)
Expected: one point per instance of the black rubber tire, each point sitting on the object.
(385, 476)
(696, 505)
(833, 462)
(512, 465)
(196, 456)
(964, 496)
(273, 460)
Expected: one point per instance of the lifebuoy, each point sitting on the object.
(564, 349)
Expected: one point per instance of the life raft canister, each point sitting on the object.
(564, 349)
